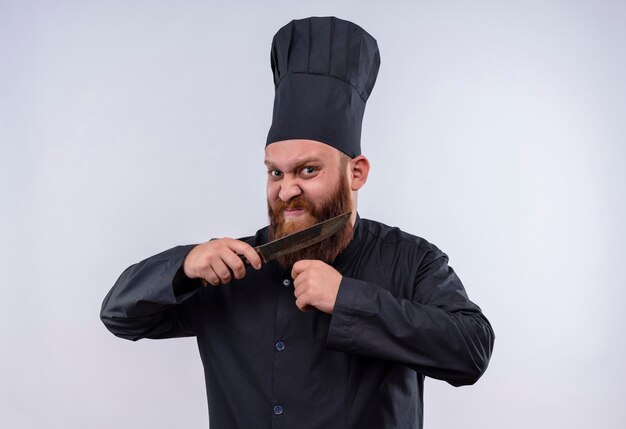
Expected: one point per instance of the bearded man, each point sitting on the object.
(337, 335)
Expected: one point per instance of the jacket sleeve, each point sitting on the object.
(438, 332)
(149, 299)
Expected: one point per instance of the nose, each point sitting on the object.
(289, 188)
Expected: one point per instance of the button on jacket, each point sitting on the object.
(401, 314)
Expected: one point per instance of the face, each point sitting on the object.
(300, 169)
(307, 183)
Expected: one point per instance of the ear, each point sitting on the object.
(359, 169)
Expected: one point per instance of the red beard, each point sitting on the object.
(326, 250)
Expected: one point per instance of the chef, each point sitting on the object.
(341, 333)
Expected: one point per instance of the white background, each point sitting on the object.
(496, 130)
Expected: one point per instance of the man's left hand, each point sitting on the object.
(316, 285)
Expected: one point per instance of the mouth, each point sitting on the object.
(293, 212)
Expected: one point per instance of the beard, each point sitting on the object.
(326, 250)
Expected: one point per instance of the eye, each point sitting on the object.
(308, 171)
(275, 174)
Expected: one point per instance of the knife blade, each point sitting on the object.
(301, 239)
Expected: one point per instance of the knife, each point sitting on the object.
(301, 239)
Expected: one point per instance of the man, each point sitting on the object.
(340, 334)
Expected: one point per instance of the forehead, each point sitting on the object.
(291, 152)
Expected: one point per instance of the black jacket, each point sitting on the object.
(401, 314)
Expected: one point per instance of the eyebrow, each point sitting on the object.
(298, 163)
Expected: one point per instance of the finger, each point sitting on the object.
(298, 289)
(299, 267)
(298, 281)
(302, 304)
(243, 248)
(303, 281)
(210, 277)
(222, 271)
(234, 264)
(252, 256)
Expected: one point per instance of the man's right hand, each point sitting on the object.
(217, 261)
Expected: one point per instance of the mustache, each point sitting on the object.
(299, 202)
